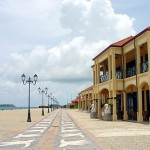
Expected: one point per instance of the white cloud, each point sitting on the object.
(68, 62)
(95, 20)
(80, 28)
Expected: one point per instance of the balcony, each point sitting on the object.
(104, 77)
(144, 67)
(119, 75)
(131, 71)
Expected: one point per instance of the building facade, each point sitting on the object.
(121, 78)
(85, 99)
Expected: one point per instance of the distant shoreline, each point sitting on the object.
(14, 108)
(7, 105)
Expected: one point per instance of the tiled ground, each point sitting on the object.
(114, 135)
(74, 129)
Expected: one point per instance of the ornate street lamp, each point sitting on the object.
(49, 96)
(23, 77)
(43, 91)
(53, 102)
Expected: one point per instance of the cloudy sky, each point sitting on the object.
(57, 39)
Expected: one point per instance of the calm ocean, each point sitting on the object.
(12, 108)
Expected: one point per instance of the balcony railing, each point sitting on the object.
(119, 75)
(104, 77)
(131, 71)
(144, 67)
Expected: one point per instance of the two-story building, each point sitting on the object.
(121, 78)
(85, 98)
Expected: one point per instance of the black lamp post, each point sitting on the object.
(23, 77)
(43, 91)
(51, 101)
(48, 102)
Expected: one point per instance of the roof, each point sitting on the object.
(75, 100)
(123, 42)
(116, 44)
(87, 89)
(145, 30)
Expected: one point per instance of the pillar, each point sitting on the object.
(98, 73)
(82, 102)
(98, 113)
(109, 67)
(124, 69)
(114, 106)
(113, 67)
(148, 47)
(85, 102)
(138, 60)
(139, 113)
(125, 116)
(95, 67)
(79, 102)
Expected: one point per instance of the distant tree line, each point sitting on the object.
(7, 105)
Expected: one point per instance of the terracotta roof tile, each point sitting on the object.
(123, 42)
(120, 43)
(87, 89)
(116, 44)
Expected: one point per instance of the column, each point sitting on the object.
(148, 47)
(113, 67)
(89, 101)
(139, 113)
(98, 113)
(125, 116)
(95, 67)
(93, 76)
(138, 60)
(114, 106)
(109, 67)
(85, 102)
(98, 73)
(82, 102)
(124, 69)
(79, 102)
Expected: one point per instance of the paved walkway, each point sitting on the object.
(71, 137)
(117, 135)
(55, 132)
(73, 129)
(31, 136)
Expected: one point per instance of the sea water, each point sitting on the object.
(13, 108)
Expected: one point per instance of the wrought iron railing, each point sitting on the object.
(119, 75)
(131, 71)
(104, 77)
(144, 67)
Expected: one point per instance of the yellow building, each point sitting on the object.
(85, 98)
(121, 77)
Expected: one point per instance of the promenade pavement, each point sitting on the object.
(117, 135)
(67, 129)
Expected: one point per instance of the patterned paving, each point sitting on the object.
(71, 137)
(30, 137)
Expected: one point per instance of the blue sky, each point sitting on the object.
(57, 40)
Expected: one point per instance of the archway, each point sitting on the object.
(104, 94)
(131, 102)
(145, 101)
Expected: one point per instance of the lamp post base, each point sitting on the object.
(29, 117)
(48, 110)
(42, 112)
